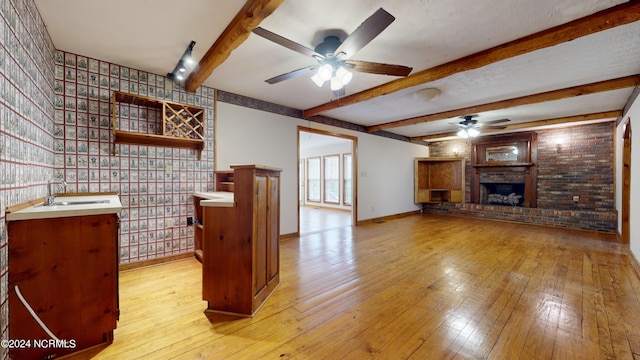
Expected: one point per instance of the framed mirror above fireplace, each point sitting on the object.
(504, 170)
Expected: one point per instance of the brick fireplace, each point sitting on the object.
(584, 166)
(504, 170)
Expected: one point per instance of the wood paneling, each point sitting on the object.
(67, 271)
(417, 287)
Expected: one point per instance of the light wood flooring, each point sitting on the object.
(314, 219)
(419, 287)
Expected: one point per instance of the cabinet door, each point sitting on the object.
(260, 235)
(273, 227)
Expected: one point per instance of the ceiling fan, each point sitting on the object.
(333, 56)
(471, 127)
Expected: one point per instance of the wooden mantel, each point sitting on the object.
(522, 161)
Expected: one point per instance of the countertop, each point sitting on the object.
(109, 204)
(216, 198)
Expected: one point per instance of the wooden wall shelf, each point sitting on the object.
(182, 125)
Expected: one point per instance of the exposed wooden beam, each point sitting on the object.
(238, 30)
(607, 85)
(533, 124)
(615, 16)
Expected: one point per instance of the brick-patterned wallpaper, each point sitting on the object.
(154, 183)
(26, 120)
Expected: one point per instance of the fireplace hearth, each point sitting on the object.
(504, 170)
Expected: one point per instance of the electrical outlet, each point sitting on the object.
(170, 222)
(576, 198)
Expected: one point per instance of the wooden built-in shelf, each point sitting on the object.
(438, 180)
(182, 125)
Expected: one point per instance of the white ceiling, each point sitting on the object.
(151, 35)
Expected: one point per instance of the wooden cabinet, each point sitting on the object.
(224, 180)
(66, 269)
(180, 126)
(438, 180)
(241, 251)
(197, 226)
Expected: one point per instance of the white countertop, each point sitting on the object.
(107, 204)
(216, 198)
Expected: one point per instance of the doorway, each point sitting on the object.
(626, 182)
(326, 180)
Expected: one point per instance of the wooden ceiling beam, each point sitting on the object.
(532, 124)
(607, 85)
(603, 20)
(238, 30)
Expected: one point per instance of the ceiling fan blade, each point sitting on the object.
(366, 32)
(495, 127)
(286, 42)
(378, 68)
(496, 121)
(292, 74)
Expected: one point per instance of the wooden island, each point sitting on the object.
(240, 242)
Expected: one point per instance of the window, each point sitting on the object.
(347, 173)
(332, 179)
(313, 179)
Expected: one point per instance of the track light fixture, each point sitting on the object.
(186, 59)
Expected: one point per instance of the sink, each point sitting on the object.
(79, 202)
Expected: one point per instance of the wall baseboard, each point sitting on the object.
(156, 261)
(388, 217)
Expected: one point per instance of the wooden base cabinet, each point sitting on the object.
(241, 251)
(66, 269)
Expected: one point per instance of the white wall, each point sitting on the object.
(385, 166)
(634, 215)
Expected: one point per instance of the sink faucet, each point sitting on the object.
(51, 195)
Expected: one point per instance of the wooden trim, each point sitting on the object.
(88, 194)
(238, 30)
(388, 217)
(534, 124)
(289, 236)
(585, 89)
(24, 205)
(626, 184)
(603, 20)
(156, 261)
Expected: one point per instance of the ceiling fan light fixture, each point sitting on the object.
(336, 84)
(344, 76)
(316, 80)
(469, 132)
(325, 71)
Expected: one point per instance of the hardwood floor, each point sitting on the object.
(429, 287)
(314, 219)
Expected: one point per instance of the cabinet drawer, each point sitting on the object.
(423, 196)
(456, 196)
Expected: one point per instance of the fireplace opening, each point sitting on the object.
(509, 194)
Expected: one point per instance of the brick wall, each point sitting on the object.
(583, 167)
